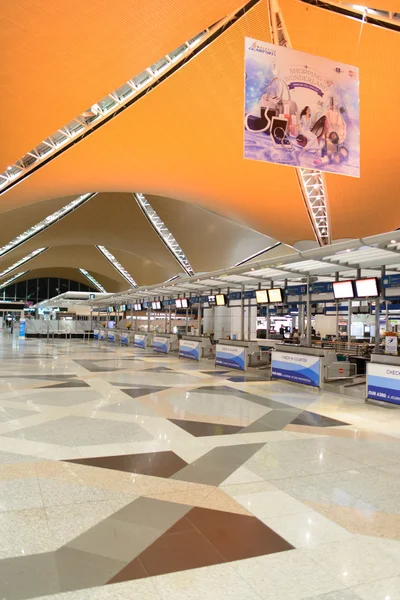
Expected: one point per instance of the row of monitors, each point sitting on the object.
(268, 296)
(217, 300)
(359, 288)
(342, 290)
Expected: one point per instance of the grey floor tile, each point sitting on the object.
(12, 414)
(82, 431)
(59, 399)
(117, 540)
(153, 513)
(77, 569)
(29, 576)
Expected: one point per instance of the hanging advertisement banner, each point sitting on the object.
(301, 110)
(299, 368)
(189, 349)
(383, 383)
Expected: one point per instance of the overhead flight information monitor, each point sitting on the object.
(275, 295)
(262, 297)
(343, 290)
(367, 288)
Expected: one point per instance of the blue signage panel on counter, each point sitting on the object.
(383, 382)
(233, 357)
(189, 349)
(299, 368)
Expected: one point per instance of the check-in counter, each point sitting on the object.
(165, 342)
(383, 378)
(112, 335)
(301, 364)
(195, 347)
(125, 337)
(240, 355)
(143, 340)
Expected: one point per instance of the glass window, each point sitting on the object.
(64, 286)
(32, 290)
(21, 290)
(42, 289)
(74, 286)
(53, 287)
(10, 292)
(84, 287)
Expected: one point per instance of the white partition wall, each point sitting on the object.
(227, 321)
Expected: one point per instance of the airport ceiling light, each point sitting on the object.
(22, 261)
(42, 225)
(92, 280)
(162, 230)
(117, 265)
(311, 181)
(380, 18)
(114, 102)
(12, 279)
(259, 253)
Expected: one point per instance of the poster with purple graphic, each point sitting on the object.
(301, 110)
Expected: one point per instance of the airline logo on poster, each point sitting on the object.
(301, 110)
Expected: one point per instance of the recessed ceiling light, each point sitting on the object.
(252, 269)
(9, 168)
(393, 242)
(348, 249)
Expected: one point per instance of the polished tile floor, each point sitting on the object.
(130, 475)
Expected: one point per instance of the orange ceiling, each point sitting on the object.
(59, 58)
(185, 140)
(370, 204)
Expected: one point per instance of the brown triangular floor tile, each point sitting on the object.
(157, 464)
(202, 538)
(200, 429)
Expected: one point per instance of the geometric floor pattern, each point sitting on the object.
(126, 474)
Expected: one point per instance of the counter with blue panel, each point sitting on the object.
(301, 364)
(383, 378)
(165, 342)
(195, 347)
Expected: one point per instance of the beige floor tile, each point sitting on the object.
(307, 529)
(271, 504)
(384, 589)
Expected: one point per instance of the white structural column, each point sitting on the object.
(311, 181)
